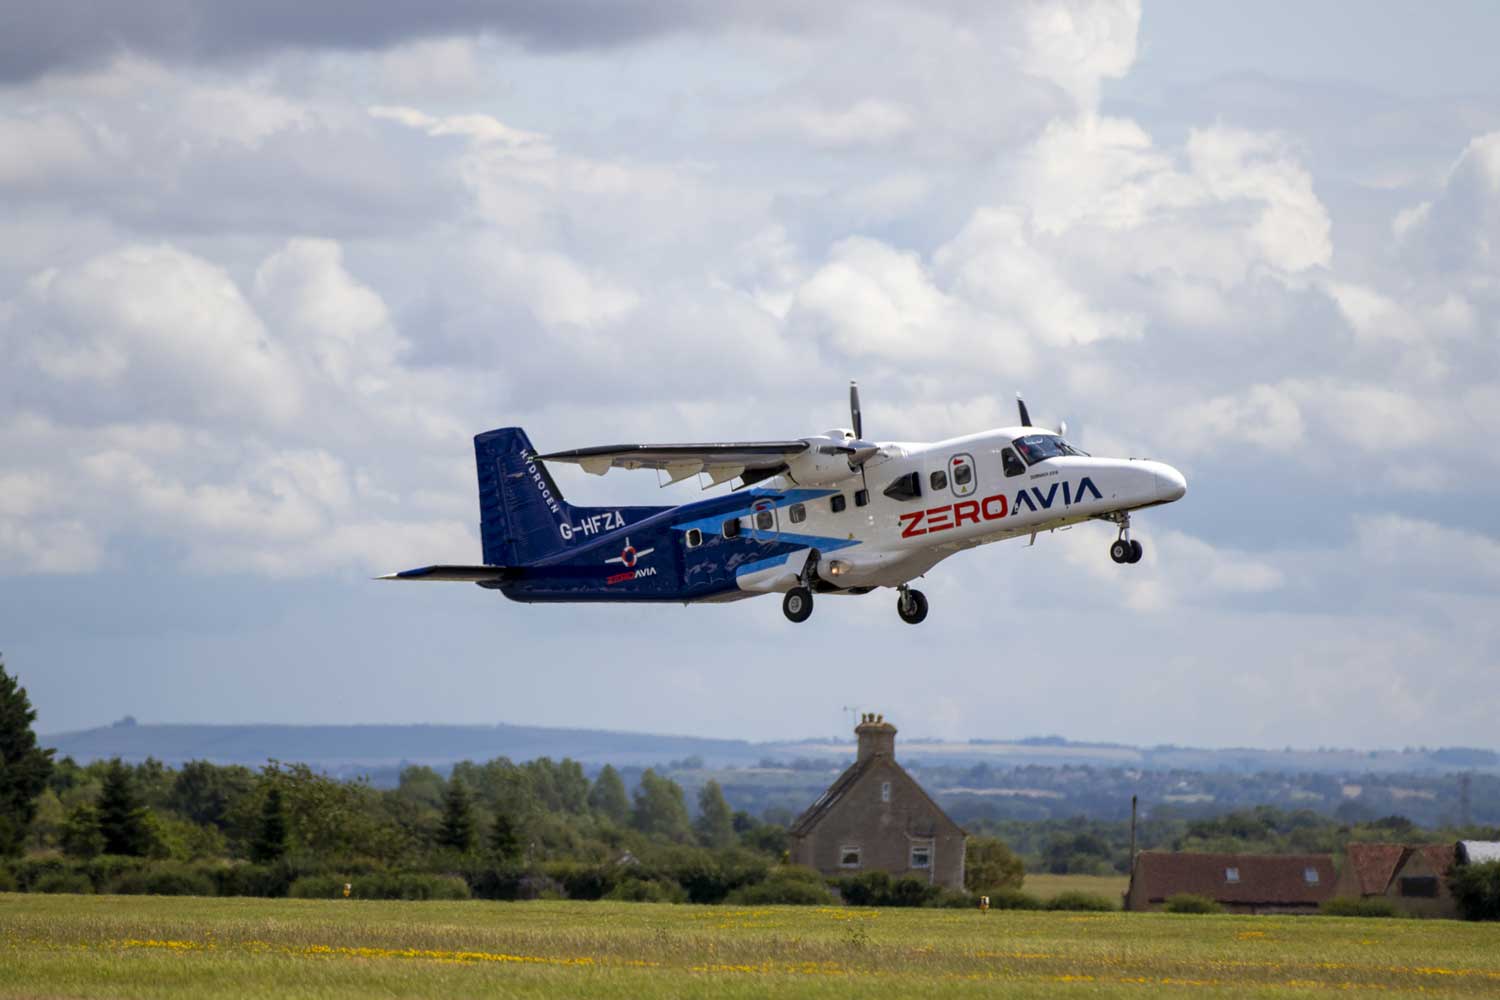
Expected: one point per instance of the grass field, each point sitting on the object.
(1111, 887)
(131, 946)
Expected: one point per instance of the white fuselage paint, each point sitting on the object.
(899, 540)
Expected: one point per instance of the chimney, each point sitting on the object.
(876, 736)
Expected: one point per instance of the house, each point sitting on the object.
(1413, 877)
(876, 817)
(1241, 883)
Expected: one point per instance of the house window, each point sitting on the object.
(848, 857)
(1310, 876)
(921, 855)
(694, 538)
(732, 528)
(885, 791)
(837, 503)
(1420, 886)
(797, 513)
(1231, 874)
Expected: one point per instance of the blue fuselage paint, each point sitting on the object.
(647, 558)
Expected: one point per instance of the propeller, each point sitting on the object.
(854, 414)
(859, 450)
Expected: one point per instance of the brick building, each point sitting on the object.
(1413, 877)
(1241, 883)
(876, 817)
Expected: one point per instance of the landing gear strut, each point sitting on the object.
(797, 604)
(911, 605)
(1125, 549)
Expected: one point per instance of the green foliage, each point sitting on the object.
(632, 889)
(879, 889)
(659, 809)
(505, 841)
(457, 829)
(163, 880)
(76, 883)
(123, 818)
(81, 836)
(786, 885)
(24, 767)
(202, 792)
(1347, 906)
(1073, 900)
(989, 866)
(607, 797)
(1476, 890)
(7, 880)
(270, 833)
(1013, 899)
(334, 820)
(380, 886)
(1187, 902)
(715, 823)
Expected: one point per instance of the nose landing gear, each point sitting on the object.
(797, 605)
(911, 605)
(1125, 549)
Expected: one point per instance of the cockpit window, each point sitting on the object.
(1037, 447)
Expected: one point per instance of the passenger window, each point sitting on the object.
(764, 521)
(962, 469)
(861, 497)
(797, 513)
(837, 503)
(732, 528)
(694, 538)
(938, 480)
(1013, 465)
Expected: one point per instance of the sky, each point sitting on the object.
(265, 270)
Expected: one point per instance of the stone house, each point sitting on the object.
(1413, 877)
(1241, 883)
(876, 817)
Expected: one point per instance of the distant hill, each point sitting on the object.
(368, 748)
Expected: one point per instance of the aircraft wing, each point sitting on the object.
(752, 460)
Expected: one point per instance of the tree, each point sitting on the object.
(1476, 890)
(270, 833)
(990, 866)
(659, 809)
(123, 820)
(24, 767)
(203, 792)
(457, 829)
(504, 841)
(81, 836)
(608, 798)
(715, 825)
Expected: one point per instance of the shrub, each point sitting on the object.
(1186, 902)
(879, 889)
(1346, 906)
(63, 881)
(380, 886)
(509, 882)
(583, 881)
(950, 899)
(1476, 890)
(163, 880)
(1074, 900)
(789, 885)
(245, 879)
(7, 880)
(1014, 899)
(635, 890)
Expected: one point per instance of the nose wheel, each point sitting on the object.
(797, 605)
(1125, 549)
(911, 605)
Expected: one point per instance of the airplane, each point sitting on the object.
(828, 514)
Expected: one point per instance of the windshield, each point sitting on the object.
(1036, 447)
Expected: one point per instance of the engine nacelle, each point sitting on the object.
(820, 465)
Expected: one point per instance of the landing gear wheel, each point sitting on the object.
(1121, 551)
(912, 606)
(797, 604)
(1135, 551)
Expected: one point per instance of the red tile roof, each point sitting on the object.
(1374, 865)
(1264, 879)
(1440, 856)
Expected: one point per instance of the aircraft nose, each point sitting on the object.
(1170, 484)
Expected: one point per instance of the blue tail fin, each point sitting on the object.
(522, 514)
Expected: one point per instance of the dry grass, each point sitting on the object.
(1111, 887)
(119, 946)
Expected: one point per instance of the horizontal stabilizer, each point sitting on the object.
(460, 574)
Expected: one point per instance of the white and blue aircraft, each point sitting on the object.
(828, 514)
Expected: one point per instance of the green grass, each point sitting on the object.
(1111, 887)
(83, 946)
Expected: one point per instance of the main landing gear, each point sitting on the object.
(797, 604)
(1125, 549)
(911, 605)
